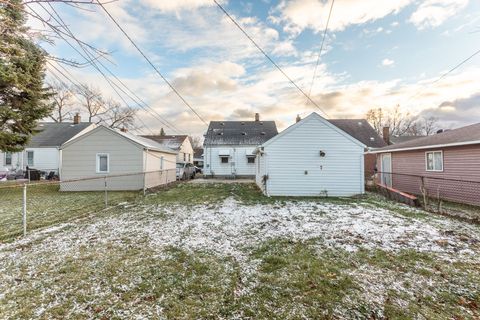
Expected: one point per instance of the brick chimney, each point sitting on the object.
(386, 135)
(298, 118)
(257, 116)
(76, 118)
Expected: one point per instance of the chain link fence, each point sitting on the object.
(432, 192)
(28, 205)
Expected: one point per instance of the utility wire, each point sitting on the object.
(156, 115)
(152, 65)
(268, 57)
(321, 49)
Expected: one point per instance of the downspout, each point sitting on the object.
(145, 172)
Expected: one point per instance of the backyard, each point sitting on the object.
(225, 251)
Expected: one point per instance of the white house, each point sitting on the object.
(129, 162)
(179, 143)
(229, 146)
(313, 157)
(43, 150)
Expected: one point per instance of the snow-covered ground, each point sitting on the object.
(231, 229)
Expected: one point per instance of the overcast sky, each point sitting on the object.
(377, 54)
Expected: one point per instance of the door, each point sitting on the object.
(387, 169)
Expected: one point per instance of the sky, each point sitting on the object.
(377, 53)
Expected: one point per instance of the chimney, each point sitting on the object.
(298, 118)
(386, 135)
(257, 116)
(76, 118)
(124, 129)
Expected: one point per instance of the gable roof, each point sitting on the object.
(457, 137)
(240, 132)
(172, 142)
(138, 140)
(322, 119)
(54, 134)
(361, 130)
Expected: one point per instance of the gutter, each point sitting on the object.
(433, 146)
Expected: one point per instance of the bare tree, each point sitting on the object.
(197, 142)
(400, 123)
(62, 101)
(92, 102)
(118, 117)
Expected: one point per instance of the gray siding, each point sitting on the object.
(237, 164)
(79, 161)
(295, 168)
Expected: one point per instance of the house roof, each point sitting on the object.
(54, 134)
(314, 115)
(457, 137)
(401, 139)
(143, 142)
(361, 130)
(240, 132)
(172, 142)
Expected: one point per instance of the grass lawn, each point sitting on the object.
(47, 206)
(223, 251)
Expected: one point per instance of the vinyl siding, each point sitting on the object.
(237, 164)
(154, 177)
(459, 163)
(79, 161)
(45, 159)
(290, 156)
(185, 149)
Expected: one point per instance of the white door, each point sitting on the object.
(387, 169)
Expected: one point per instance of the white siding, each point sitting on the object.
(295, 168)
(154, 177)
(44, 159)
(260, 173)
(79, 161)
(17, 161)
(237, 164)
(187, 150)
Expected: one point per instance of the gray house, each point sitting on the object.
(128, 161)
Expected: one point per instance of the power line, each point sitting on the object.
(321, 48)
(152, 65)
(268, 57)
(155, 114)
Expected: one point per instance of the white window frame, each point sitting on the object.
(5, 159)
(251, 157)
(426, 160)
(33, 158)
(221, 159)
(97, 157)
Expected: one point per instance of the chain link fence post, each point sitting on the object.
(144, 184)
(106, 192)
(24, 210)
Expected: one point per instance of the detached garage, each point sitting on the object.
(128, 162)
(313, 157)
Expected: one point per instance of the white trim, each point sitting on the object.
(97, 160)
(383, 170)
(426, 160)
(436, 146)
(323, 120)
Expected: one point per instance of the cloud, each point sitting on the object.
(298, 15)
(388, 62)
(432, 13)
(177, 5)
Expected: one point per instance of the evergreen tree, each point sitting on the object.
(22, 71)
(162, 132)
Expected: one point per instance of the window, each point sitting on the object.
(8, 159)
(103, 163)
(250, 159)
(189, 159)
(184, 157)
(30, 159)
(434, 160)
(224, 159)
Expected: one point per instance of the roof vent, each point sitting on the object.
(261, 122)
(222, 123)
(372, 139)
(220, 133)
(243, 123)
(263, 133)
(360, 123)
(244, 133)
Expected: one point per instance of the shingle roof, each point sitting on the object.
(147, 143)
(361, 130)
(240, 132)
(465, 135)
(54, 134)
(401, 139)
(172, 142)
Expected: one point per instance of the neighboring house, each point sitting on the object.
(42, 152)
(361, 130)
(402, 139)
(229, 146)
(453, 155)
(180, 143)
(313, 157)
(198, 157)
(104, 152)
